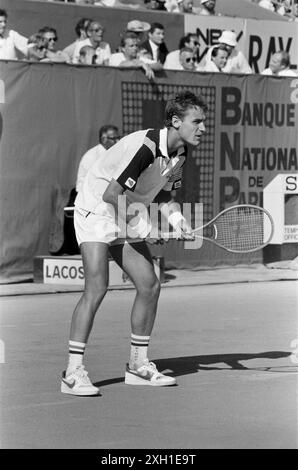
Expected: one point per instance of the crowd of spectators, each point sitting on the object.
(288, 8)
(142, 45)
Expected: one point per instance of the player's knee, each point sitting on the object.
(150, 289)
(96, 289)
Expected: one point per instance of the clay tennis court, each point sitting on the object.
(229, 345)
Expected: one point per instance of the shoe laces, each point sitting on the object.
(82, 374)
(150, 366)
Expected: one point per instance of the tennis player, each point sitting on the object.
(138, 167)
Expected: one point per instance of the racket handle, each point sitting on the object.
(175, 236)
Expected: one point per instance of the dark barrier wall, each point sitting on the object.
(50, 115)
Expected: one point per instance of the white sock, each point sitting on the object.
(76, 354)
(138, 351)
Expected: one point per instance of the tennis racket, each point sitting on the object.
(239, 229)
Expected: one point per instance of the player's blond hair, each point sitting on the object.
(179, 104)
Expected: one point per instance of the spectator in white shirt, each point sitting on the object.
(37, 48)
(95, 33)
(279, 65)
(81, 32)
(219, 57)
(129, 56)
(10, 40)
(50, 35)
(172, 60)
(108, 136)
(236, 62)
(188, 60)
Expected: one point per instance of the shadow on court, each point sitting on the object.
(178, 366)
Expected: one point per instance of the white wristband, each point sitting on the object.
(176, 218)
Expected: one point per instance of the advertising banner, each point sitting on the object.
(258, 40)
(257, 137)
(262, 39)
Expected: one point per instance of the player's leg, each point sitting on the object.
(135, 259)
(95, 262)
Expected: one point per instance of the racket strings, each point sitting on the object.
(241, 229)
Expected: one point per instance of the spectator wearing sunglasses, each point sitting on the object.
(188, 60)
(53, 54)
(11, 42)
(190, 41)
(95, 33)
(37, 48)
(108, 136)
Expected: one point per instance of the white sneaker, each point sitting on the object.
(147, 374)
(78, 383)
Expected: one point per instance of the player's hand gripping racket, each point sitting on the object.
(239, 229)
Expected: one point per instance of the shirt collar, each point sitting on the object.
(163, 142)
(154, 46)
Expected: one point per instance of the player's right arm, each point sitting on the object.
(127, 179)
(111, 195)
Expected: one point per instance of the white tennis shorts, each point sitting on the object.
(91, 227)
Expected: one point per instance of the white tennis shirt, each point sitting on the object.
(140, 163)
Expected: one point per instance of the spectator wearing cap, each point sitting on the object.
(219, 57)
(236, 62)
(81, 32)
(53, 54)
(208, 7)
(155, 45)
(140, 28)
(95, 33)
(10, 41)
(279, 65)
(191, 41)
(129, 55)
